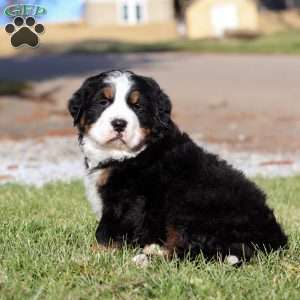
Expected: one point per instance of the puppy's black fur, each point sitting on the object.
(174, 193)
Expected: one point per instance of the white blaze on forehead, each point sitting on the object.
(122, 85)
(119, 109)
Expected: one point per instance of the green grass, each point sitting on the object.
(11, 87)
(284, 42)
(45, 239)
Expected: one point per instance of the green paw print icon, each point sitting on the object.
(24, 32)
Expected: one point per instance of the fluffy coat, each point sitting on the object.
(174, 193)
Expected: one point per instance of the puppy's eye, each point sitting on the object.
(136, 105)
(134, 98)
(104, 102)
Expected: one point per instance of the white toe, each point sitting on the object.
(155, 250)
(141, 260)
(232, 259)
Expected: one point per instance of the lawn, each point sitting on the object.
(11, 87)
(283, 43)
(45, 253)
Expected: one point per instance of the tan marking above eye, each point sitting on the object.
(108, 92)
(134, 97)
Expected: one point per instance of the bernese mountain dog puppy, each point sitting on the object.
(151, 186)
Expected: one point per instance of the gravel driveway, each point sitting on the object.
(38, 161)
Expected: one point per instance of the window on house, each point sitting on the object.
(133, 11)
(138, 12)
(125, 12)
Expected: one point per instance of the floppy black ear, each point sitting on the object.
(163, 106)
(75, 107)
(162, 109)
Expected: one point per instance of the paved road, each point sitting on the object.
(244, 102)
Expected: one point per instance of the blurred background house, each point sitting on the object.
(204, 18)
(157, 20)
(131, 18)
(128, 12)
(213, 18)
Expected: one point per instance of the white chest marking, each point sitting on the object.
(94, 142)
(92, 193)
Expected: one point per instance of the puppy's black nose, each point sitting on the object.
(119, 125)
